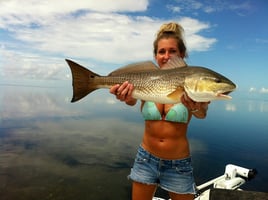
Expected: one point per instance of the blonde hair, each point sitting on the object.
(171, 30)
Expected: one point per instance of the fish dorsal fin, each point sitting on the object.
(135, 67)
(176, 94)
(175, 62)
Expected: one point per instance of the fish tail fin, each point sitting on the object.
(82, 80)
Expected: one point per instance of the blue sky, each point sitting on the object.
(230, 37)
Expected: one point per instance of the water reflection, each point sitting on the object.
(261, 107)
(52, 149)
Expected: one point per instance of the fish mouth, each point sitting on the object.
(224, 95)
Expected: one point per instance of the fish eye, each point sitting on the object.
(217, 80)
(212, 79)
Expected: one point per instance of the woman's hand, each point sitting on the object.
(198, 109)
(123, 92)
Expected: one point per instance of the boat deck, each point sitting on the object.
(220, 194)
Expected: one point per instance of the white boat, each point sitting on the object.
(233, 177)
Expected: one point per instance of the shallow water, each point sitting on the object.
(53, 149)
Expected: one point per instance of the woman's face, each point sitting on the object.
(167, 47)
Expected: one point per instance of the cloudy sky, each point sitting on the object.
(36, 36)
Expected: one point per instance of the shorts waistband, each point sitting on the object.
(156, 159)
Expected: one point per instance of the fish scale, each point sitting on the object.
(142, 85)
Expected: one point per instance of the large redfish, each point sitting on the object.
(165, 85)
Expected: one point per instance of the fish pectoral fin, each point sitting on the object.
(176, 95)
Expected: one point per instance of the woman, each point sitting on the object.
(163, 157)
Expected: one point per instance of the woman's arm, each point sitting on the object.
(198, 109)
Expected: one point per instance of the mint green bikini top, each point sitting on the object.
(177, 113)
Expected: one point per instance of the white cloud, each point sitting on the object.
(44, 8)
(189, 5)
(175, 9)
(214, 6)
(264, 90)
(194, 41)
(261, 41)
(41, 34)
(209, 9)
(252, 89)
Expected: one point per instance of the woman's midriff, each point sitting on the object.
(166, 140)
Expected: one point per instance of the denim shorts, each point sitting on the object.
(171, 175)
